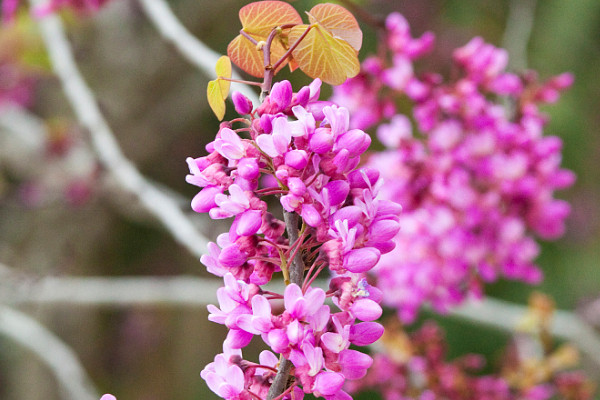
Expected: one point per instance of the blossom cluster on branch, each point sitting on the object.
(467, 161)
(301, 150)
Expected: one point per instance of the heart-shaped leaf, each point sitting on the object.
(261, 17)
(246, 56)
(223, 70)
(218, 90)
(322, 55)
(258, 20)
(215, 98)
(339, 22)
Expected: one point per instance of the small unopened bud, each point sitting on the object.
(242, 104)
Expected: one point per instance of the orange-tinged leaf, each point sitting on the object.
(246, 56)
(215, 98)
(223, 70)
(261, 17)
(338, 21)
(321, 55)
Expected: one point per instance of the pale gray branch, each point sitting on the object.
(190, 291)
(192, 49)
(60, 358)
(26, 127)
(121, 169)
(519, 24)
(505, 316)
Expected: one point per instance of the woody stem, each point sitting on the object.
(296, 271)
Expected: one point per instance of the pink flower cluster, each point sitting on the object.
(476, 184)
(415, 367)
(9, 7)
(302, 151)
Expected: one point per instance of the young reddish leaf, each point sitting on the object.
(223, 69)
(246, 56)
(321, 55)
(258, 20)
(216, 101)
(338, 21)
(261, 17)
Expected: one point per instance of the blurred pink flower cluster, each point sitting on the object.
(302, 151)
(470, 166)
(415, 366)
(9, 7)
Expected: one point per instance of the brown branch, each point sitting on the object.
(296, 271)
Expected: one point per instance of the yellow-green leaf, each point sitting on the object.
(338, 21)
(261, 17)
(322, 55)
(223, 70)
(216, 101)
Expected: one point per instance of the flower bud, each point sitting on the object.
(363, 178)
(301, 98)
(355, 141)
(296, 159)
(237, 339)
(278, 340)
(205, 199)
(383, 230)
(321, 141)
(365, 333)
(242, 104)
(296, 186)
(232, 257)
(354, 363)
(266, 123)
(248, 223)
(361, 260)
(337, 191)
(328, 383)
(310, 215)
(281, 94)
(247, 168)
(366, 309)
(350, 213)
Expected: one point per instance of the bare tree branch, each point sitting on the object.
(505, 316)
(123, 171)
(187, 291)
(192, 49)
(519, 24)
(59, 357)
(29, 129)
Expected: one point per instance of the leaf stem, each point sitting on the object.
(269, 71)
(240, 81)
(292, 48)
(250, 38)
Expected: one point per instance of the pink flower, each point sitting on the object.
(223, 378)
(300, 305)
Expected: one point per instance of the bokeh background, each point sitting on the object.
(61, 216)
